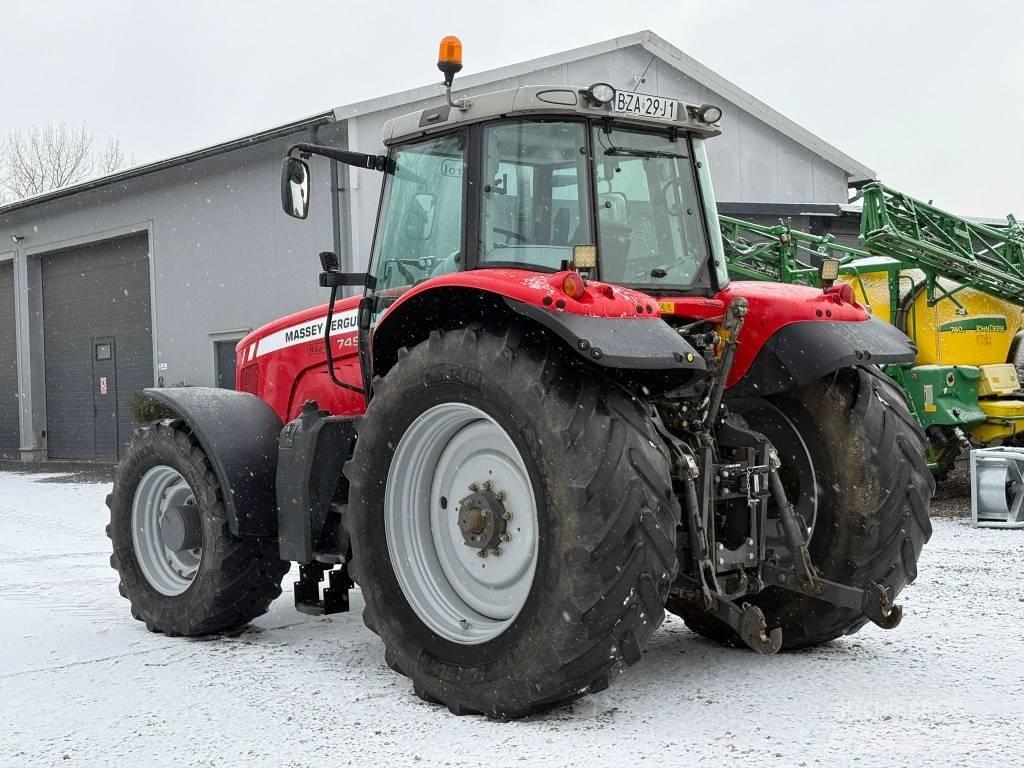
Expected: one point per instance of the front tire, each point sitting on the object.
(863, 478)
(181, 568)
(592, 484)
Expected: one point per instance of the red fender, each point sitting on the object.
(283, 361)
(771, 307)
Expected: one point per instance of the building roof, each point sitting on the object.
(646, 40)
(654, 45)
(199, 154)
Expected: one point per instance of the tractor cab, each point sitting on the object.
(542, 178)
(612, 184)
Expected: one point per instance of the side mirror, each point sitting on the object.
(295, 187)
(419, 221)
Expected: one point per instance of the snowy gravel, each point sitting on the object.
(82, 683)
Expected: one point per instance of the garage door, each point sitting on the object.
(8, 365)
(98, 342)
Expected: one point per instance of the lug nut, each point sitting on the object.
(506, 537)
(496, 551)
(474, 487)
(721, 546)
(506, 515)
(481, 553)
(501, 495)
(487, 485)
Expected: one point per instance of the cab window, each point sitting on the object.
(534, 202)
(420, 231)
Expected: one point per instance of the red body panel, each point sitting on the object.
(543, 289)
(288, 354)
(771, 307)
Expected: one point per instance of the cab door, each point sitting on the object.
(421, 225)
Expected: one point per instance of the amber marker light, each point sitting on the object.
(573, 286)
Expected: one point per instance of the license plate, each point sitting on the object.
(667, 307)
(644, 105)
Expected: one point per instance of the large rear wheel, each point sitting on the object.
(854, 467)
(512, 523)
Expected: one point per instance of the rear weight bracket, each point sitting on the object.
(307, 590)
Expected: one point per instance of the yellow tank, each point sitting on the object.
(975, 330)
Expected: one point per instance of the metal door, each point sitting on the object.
(225, 355)
(104, 397)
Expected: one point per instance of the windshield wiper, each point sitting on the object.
(645, 153)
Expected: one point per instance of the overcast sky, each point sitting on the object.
(925, 93)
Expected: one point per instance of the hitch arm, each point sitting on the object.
(874, 601)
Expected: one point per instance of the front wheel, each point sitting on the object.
(512, 523)
(854, 467)
(180, 567)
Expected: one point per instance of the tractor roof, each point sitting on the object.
(541, 100)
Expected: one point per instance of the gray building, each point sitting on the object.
(152, 274)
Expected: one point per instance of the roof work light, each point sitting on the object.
(600, 93)
(709, 113)
(828, 272)
(449, 58)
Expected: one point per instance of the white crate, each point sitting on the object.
(997, 487)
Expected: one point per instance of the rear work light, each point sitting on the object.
(249, 379)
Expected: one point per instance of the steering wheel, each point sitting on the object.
(509, 235)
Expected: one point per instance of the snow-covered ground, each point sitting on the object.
(82, 683)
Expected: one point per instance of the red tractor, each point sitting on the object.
(548, 417)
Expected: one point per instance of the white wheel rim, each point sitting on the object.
(169, 572)
(459, 595)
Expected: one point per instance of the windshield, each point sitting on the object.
(650, 227)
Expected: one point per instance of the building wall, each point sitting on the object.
(224, 259)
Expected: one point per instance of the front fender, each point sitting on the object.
(239, 433)
(801, 352)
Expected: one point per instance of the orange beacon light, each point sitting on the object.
(449, 58)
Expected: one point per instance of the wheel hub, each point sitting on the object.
(167, 530)
(483, 518)
(181, 527)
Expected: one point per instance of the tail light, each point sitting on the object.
(573, 286)
(249, 379)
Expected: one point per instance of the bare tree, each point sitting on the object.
(42, 159)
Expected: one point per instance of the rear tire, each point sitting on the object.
(873, 488)
(606, 521)
(234, 579)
